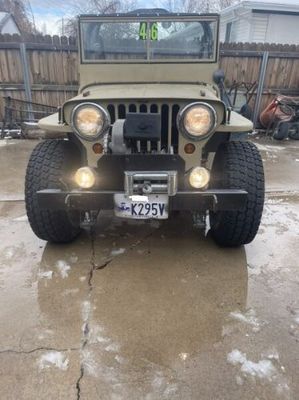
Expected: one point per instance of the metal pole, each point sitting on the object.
(260, 87)
(24, 61)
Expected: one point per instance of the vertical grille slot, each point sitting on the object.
(132, 108)
(169, 129)
(174, 130)
(143, 108)
(154, 109)
(164, 125)
(111, 111)
(121, 111)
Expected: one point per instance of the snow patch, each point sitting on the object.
(268, 147)
(248, 318)
(239, 380)
(114, 347)
(271, 354)
(263, 369)
(236, 357)
(68, 292)
(8, 253)
(5, 142)
(183, 356)
(89, 363)
(23, 218)
(46, 274)
(73, 258)
(54, 359)
(63, 268)
(119, 359)
(102, 339)
(117, 252)
(170, 390)
(96, 335)
(95, 368)
(85, 310)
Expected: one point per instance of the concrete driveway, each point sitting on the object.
(149, 310)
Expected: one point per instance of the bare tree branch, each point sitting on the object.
(20, 13)
(200, 6)
(95, 6)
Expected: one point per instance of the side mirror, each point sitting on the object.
(218, 76)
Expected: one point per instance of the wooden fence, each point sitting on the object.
(242, 62)
(51, 63)
(49, 66)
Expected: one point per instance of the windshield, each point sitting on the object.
(144, 41)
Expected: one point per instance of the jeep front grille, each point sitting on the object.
(169, 131)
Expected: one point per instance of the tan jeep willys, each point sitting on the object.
(148, 133)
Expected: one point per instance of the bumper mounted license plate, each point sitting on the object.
(152, 206)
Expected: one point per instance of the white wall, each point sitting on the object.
(261, 27)
(283, 29)
(240, 26)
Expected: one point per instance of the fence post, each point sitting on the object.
(260, 87)
(28, 96)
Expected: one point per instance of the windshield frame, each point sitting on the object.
(120, 18)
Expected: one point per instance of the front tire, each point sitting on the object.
(50, 166)
(238, 165)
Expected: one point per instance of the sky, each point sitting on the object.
(49, 14)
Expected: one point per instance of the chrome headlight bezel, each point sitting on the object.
(105, 116)
(181, 124)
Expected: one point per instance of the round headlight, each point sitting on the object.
(90, 120)
(197, 120)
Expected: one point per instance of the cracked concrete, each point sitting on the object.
(150, 310)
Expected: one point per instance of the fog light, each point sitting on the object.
(199, 177)
(85, 177)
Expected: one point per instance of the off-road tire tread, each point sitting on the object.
(239, 166)
(47, 165)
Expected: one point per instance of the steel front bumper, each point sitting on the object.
(213, 199)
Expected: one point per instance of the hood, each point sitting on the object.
(122, 91)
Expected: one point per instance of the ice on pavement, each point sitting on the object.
(262, 369)
(248, 318)
(63, 268)
(54, 359)
(117, 252)
(46, 274)
(23, 218)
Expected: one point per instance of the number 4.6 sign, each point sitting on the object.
(153, 30)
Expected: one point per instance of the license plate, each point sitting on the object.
(141, 207)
